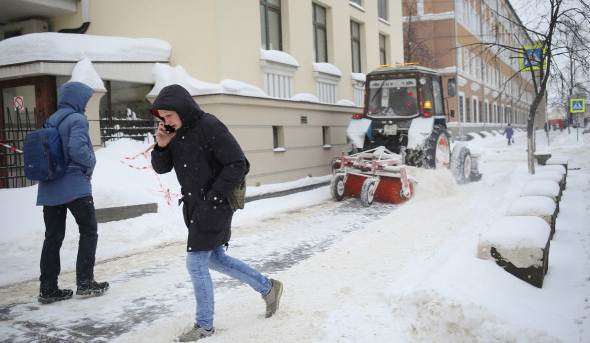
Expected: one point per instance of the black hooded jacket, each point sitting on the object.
(206, 157)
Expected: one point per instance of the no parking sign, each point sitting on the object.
(19, 103)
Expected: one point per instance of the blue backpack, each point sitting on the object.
(43, 153)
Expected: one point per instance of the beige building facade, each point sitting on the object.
(308, 58)
(451, 37)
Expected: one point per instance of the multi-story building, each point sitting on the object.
(452, 37)
(301, 62)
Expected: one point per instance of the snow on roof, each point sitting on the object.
(541, 188)
(278, 57)
(345, 102)
(532, 206)
(165, 75)
(53, 46)
(85, 73)
(359, 76)
(517, 232)
(327, 68)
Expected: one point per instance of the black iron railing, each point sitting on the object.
(126, 125)
(13, 130)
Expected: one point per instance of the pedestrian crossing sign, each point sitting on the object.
(533, 57)
(578, 105)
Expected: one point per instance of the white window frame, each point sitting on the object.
(475, 111)
(459, 96)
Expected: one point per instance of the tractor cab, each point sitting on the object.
(403, 108)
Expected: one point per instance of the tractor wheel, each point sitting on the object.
(461, 165)
(337, 187)
(437, 153)
(368, 191)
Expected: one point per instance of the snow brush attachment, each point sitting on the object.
(371, 175)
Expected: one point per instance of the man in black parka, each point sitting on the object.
(209, 164)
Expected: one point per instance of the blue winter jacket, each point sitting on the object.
(78, 152)
(508, 132)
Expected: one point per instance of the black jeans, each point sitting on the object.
(55, 228)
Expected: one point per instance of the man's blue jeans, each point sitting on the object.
(198, 264)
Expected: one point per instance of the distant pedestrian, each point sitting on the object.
(508, 131)
(71, 192)
(209, 164)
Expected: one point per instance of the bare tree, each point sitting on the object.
(415, 47)
(561, 32)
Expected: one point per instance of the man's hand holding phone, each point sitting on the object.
(164, 134)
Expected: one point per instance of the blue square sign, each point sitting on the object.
(578, 105)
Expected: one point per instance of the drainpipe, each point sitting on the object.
(85, 20)
(457, 114)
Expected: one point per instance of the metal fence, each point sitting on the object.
(16, 125)
(126, 125)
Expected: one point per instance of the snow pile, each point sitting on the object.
(532, 206)
(519, 239)
(420, 130)
(361, 77)
(542, 188)
(327, 68)
(278, 56)
(432, 183)
(165, 75)
(557, 168)
(557, 160)
(241, 88)
(346, 102)
(356, 131)
(53, 46)
(550, 175)
(427, 316)
(305, 97)
(85, 73)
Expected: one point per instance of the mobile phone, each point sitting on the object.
(169, 129)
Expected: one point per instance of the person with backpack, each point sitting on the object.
(209, 165)
(73, 192)
(508, 131)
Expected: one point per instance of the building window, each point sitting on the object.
(270, 24)
(320, 39)
(278, 137)
(355, 42)
(467, 111)
(461, 110)
(382, 9)
(382, 49)
(326, 136)
(438, 99)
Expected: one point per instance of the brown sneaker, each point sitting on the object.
(195, 333)
(273, 298)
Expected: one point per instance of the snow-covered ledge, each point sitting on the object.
(327, 76)
(279, 68)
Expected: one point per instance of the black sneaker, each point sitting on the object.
(92, 288)
(48, 296)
